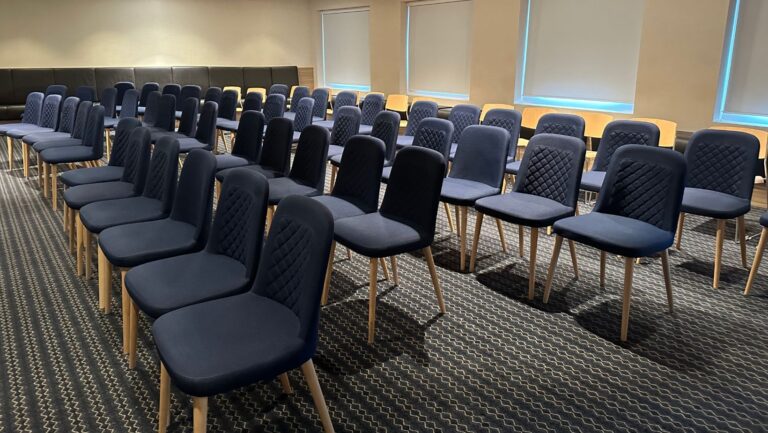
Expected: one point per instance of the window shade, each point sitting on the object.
(346, 56)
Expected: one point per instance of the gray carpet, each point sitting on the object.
(493, 363)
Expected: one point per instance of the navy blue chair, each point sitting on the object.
(64, 129)
(86, 93)
(253, 101)
(165, 118)
(146, 89)
(279, 89)
(405, 221)
(635, 215)
(122, 87)
(205, 135)
(373, 104)
(188, 91)
(721, 176)
(462, 116)
(274, 107)
(569, 125)
(187, 125)
(29, 119)
(476, 172)
(268, 330)
(343, 99)
(546, 190)
(129, 108)
(75, 139)
(49, 121)
(213, 94)
(420, 110)
(307, 175)
(172, 89)
(274, 159)
(347, 124)
(247, 145)
(758, 254)
(510, 120)
(302, 115)
(432, 133)
(616, 134)
(109, 101)
(298, 93)
(149, 116)
(227, 116)
(320, 110)
(56, 89)
(184, 231)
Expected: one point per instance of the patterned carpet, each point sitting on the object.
(493, 363)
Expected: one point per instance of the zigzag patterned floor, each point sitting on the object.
(493, 363)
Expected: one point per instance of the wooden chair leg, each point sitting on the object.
(328, 272)
(458, 220)
(742, 233)
(680, 224)
(133, 331)
(374, 266)
(199, 414)
(105, 280)
(475, 241)
(502, 240)
(270, 214)
(532, 262)
(9, 140)
(602, 269)
(384, 270)
(163, 415)
(334, 170)
(285, 382)
(88, 240)
(552, 265)
(54, 189)
(756, 262)
(393, 261)
(448, 214)
(629, 264)
(718, 252)
(39, 172)
(25, 157)
(574, 262)
(435, 282)
(463, 237)
(310, 376)
(667, 278)
(71, 229)
(46, 168)
(218, 190)
(520, 241)
(78, 245)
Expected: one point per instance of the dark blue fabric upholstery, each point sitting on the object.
(385, 128)
(121, 88)
(92, 147)
(764, 219)
(346, 124)
(228, 105)
(86, 93)
(307, 176)
(298, 93)
(130, 105)
(509, 120)
(373, 104)
(274, 107)
(462, 116)
(68, 115)
(561, 124)
(213, 94)
(592, 180)
(188, 122)
(420, 110)
(279, 89)
(109, 101)
(172, 89)
(253, 102)
(75, 139)
(31, 115)
(48, 121)
(205, 136)
(247, 146)
(275, 157)
(320, 95)
(152, 109)
(432, 133)
(188, 91)
(302, 109)
(166, 115)
(146, 89)
(56, 89)
(344, 99)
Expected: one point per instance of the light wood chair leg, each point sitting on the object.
(502, 239)
(78, 245)
(334, 170)
(25, 157)
(435, 282)
(46, 168)
(680, 224)
(742, 233)
(10, 152)
(521, 241)
(88, 240)
(756, 262)
(218, 190)
(384, 270)
(718, 252)
(125, 307)
(199, 414)
(448, 214)
(132, 333)
(475, 241)
(65, 219)
(328, 272)
(39, 172)
(532, 263)
(667, 278)
(310, 376)
(285, 382)
(374, 266)
(463, 237)
(349, 254)
(393, 261)
(270, 214)
(458, 220)
(552, 266)
(574, 262)
(163, 415)
(54, 189)
(629, 264)
(602, 269)
(105, 280)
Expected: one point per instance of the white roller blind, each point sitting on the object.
(439, 39)
(580, 54)
(346, 55)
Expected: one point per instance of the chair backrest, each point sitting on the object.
(121, 143)
(595, 123)
(488, 107)
(722, 161)
(373, 104)
(320, 95)
(206, 126)
(188, 122)
(435, 134)
(359, 177)
(253, 102)
(622, 132)
(93, 135)
(644, 183)
(188, 91)
(344, 99)
(172, 89)
(386, 127)
(109, 101)
(228, 106)
(49, 115)
(303, 109)
(462, 116)
(146, 89)
(122, 87)
(413, 190)
(152, 108)
(250, 132)
(561, 124)
(346, 123)
(137, 158)
(481, 155)
(32, 108)
(213, 94)
(552, 167)
(166, 113)
(56, 89)
(68, 114)
(532, 115)
(238, 227)
(667, 129)
(193, 203)
(236, 89)
(86, 93)
(162, 173)
(398, 103)
(420, 110)
(81, 118)
(298, 93)
(293, 262)
(311, 154)
(276, 150)
(508, 119)
(274, 106)
(761, 134)
(130, 106)
(279, 89)
(259, 90)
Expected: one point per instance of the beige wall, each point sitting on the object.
(61, 33)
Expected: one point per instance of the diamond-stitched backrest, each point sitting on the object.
(359, 177)
(298, 93)
(137, 159)
(146, 89)
(188, 122)
(346, 123)
(293, 262)
(49, 115)
(385, 128)
(228, 105)
(722, 161)
(130, 106)
(121, 142)
(162, 173)
(188, 91)
(303, 109)
(194, 194)
(510, 121)
(570, 125)
(420, 110)
(276, 150)
(344, 99)
(274, 106)
(551, 168)
(238, 227)
(213, 94)
(166, 113)
(279, 89)
(109, 101)
(373, 104)
(86, 93)
(461, 116)
(621, 132)
(32, 108)
(122, 87)
(644, 183)
(81, 118)
(152, 108)
(206, 126)
(250, 132)
(311, 154)
(435, 134)
(481, 155)
(68, 115)
(253, 102)
(93, 135)
(320, 108)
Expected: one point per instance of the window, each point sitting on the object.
(580, 54)
(743, 94)
(346, 57)
(438, 40)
